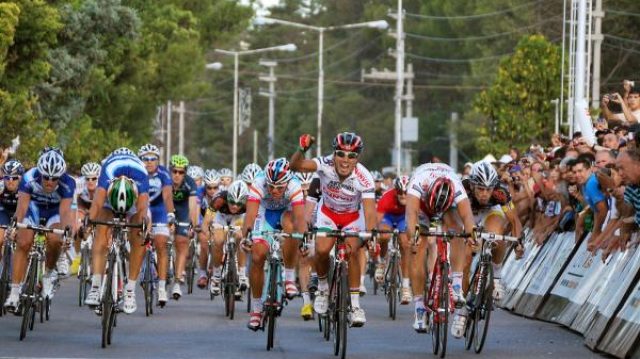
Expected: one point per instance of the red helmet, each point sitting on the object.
(348, 141)
(438, 197)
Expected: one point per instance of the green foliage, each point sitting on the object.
(517, 103)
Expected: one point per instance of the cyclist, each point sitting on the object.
(306, 270)
(212, 187)
(185, 202)
(436, 188)
(379, 183)
(162, 211)
(44, 196)
(197, 174)
(123, 187)
(90, 172)
(346, 187)
(12, 172)
(226, 177)
(227, 208)
(391, 215)
(275, 202)
(250, 173)
(493, 210)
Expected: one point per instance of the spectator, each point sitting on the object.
(611, 142)
(628, 165)
(593, 197)
(604, 158)
(466, 170)
(514, 153)
(619, 110)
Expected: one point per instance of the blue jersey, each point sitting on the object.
(32, 184)
(129, 166)
(157, 181)
(592, 192)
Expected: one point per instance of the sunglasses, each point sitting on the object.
(278, 186)
(91, 179)
(11, 178)
(178, 172)
(50, 179)
(350, 155)
(213, 187)
(149, 159)
(239, 204)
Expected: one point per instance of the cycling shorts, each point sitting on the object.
(182, 215)
(349, 221)
(395, 221)
(481, 217)
(159, 220)
(267, 220)
(36, 215)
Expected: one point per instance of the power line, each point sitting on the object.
(315, 53)
(623, 39)
(619, 47)
(473, 16)
(623, 13)
(457, 61)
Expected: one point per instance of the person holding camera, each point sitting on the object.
(619, 110)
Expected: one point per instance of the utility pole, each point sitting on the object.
(181, 111)
(399, 85)
(581, 106)
(271, 79)
(255, 146)
(597, 37)
(169, 112)
(453, 142)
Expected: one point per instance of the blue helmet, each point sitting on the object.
(277, 171)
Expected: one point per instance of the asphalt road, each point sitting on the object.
(195, 327)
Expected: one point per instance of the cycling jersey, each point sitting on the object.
(343, 196)
(181, 195)
(8, 205)
(45, 206)
(393, 212)
(314, 193)
(293, 195)
(223, 215)
(84, 199)
(129, 166)
(427, 173)
(157, 181)
(500, 196)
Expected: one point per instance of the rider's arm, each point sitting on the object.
(250, 216)
(369, 205)
(514, 220)
(66, 214)
(167, 197)
(98, 201)
(464, 210)
(23, 205)
(300, 164)
(298, 214)
(411, 212)
(193, 209)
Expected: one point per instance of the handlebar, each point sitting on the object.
(117, 223)
(42, 229)
(224, 228)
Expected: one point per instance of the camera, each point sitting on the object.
(614, 107)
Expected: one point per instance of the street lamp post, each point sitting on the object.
(236, 55)
(379, 24)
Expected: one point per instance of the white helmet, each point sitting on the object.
(237, 192)
(250, 173)
(304, 177)
(211, 178)
(122, 151)
(52, 164)
(149, 148)
(195, 172)
(225, 172)
(483, 174)
(90, 169)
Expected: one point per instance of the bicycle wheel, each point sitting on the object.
(470, 331)
(343, 324)
(392, 287)
(5, 277)
(232, 280)
(82, 284)
(28, 308)
(444, 305)
(483, 311)
(147, 284)
(191, 267)
(272, 303)
(430, 293)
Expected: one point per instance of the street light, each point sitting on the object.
(236, 54)
(378, 24)
(214, 66)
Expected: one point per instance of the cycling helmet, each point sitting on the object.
(211, 178)
(149, 148)
(90, 169)
(51, 148)
(304, 177)
(237, 192)
(377, 176)
(483, 174)
(52, 164)
(401, 183)
(195, 172)
(438, 197)
(179, 161)
(122, 194)
(277, 171)
(348, 141)
(12, 168)
(122, 151)
(225, 172)
(250, 173)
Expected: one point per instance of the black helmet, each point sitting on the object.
(348, 141)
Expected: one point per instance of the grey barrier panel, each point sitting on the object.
(618, 287)
(622, 335)
(546, 275)
(571, 289)
(518, 270)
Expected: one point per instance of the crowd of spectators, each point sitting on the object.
(571, 185)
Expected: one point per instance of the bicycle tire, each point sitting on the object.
(232, 279)
(47, 308)
(82, 284)
(470, 332)
(430, 291)
(191, 268)
(483, 312)
(272, 303)
(342, 313)
(107, 301)
(28, 309)
(392, 287)
(444, 303)
(147, 284)
(5, 277)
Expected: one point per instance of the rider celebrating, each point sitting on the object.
(346, 186)
(185, 202)
(492, 209)
(45, 196)
(123, 188)
(391, 215)
(162, 211)
(436, 189)
(275, 202)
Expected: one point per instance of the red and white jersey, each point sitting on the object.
(345, 196)
(293, 195)
(426, 174)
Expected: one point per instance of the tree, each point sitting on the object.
(516, 106)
